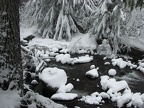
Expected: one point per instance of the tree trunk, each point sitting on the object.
(10, 52)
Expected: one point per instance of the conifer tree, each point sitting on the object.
(58, 19)
(11, 75)
(109, 23)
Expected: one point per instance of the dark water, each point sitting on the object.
(86, 86)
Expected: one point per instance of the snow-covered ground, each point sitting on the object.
(9, 99)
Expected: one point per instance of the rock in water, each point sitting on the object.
(29, 38)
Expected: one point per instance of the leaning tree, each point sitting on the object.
(11, 75)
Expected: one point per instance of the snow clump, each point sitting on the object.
(34, 82)
(64, 96)
(92, 67)
(117, 91)
(122, 64)
(65, 58)
(112, 72)
(119, 62)
(141, 66)
(83, 59)
(65, 88)
(93, 73)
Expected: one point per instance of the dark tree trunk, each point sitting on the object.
(10, 52)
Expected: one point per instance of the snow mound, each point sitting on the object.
(34, 82)
(93, 73)
(124, 99)
(65, 88)
(83, 59)
(137, 100)
(92, 99)
(64, 96)
(118, 91)
(122, 64)
(107, 63)
(9, 99)
(54, 77)
(65, 58)
(92, 67)
(36, 100)
(111, 83)
(119, 62)
(141, 66)
(112, 72)
(95, 98)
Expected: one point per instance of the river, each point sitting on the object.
(85, 86)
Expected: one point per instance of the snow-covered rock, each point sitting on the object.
(77, 80)
(93, 73)
(65, 88)
(103, 81)
(112, 72)
(142, 97)
(107, 63)
(34, 82)
(92, 67)
(141, 69)
(122, 64)
(117, 85)
(137, 100)
(53, 77)
(83, 59)
(124, 99)
(64, 58)
(95, 98)
(119, 62)
(104, 95)
(141, 66)
(64, 96)
(92, 99)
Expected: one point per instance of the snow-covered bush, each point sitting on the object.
(75, 47)
(34, 100)
(104, 48)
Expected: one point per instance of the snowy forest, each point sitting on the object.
(71, 54)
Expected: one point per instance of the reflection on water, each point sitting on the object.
(135, 81)
(134, 76)
(79, 92)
